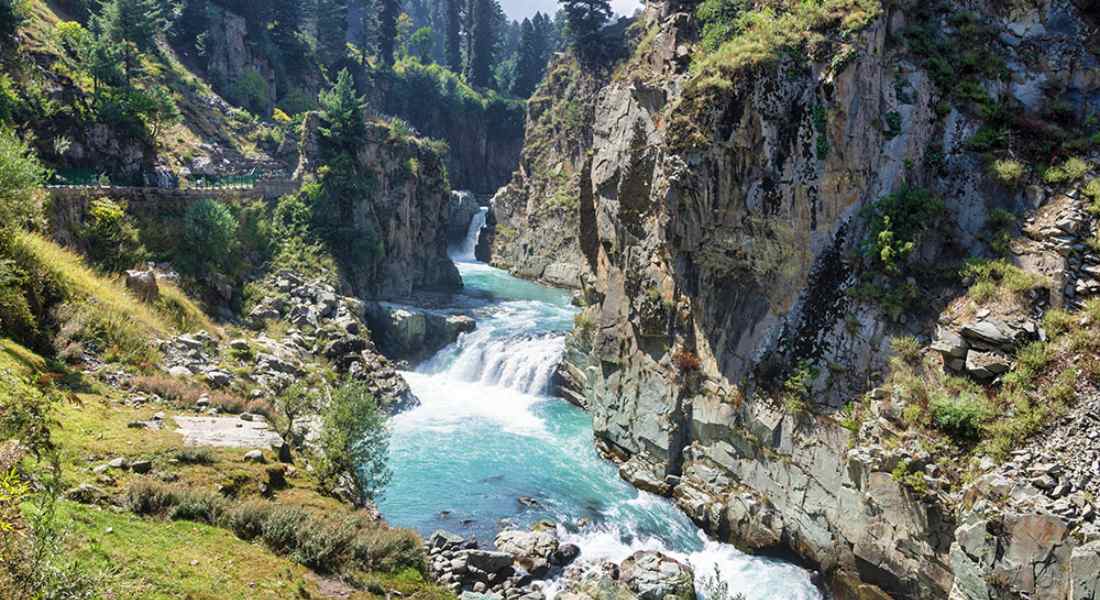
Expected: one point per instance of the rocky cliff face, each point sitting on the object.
(537, 227)
(733, 353)
(405, 212)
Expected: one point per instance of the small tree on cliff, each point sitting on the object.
(354, 442)
(585, 19)
(342, 111)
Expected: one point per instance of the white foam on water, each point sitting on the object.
(753, 577)
(447, 405)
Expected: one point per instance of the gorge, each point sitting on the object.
(747, 299)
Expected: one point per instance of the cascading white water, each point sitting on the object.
(488, 433)
(468, 251)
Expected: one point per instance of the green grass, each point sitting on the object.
(1073, 169)
(109, 295)
(764, 34)
(177, 559)
(1008, 172)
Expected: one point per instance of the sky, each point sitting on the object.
(519, 9)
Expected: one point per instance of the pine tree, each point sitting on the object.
(547, 35)
(481, 43)
(528, 71)
(342, 111)
(132, 25)
(454, 36)
(388, 13)
(332, 22)
(586, 18)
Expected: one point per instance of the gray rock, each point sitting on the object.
(143, 284)
(141, 466)
(986, 366)
(655, 576)
(487, 560)
(86, 493)
(218, 379)
(951, 345)
(1085, 572)
(256, 456)
(180, 372)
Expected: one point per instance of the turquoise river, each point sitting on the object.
(487, 434)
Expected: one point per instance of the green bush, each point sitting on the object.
(112, 240)
(1007, 171)
(325, 545)
(247, 519)
(209, 238)
(960, 416)
(719, 21)
(202, 506)
(1073, 169)
(21, 178)
(251, 91)
(149, 497)
(280, 530)
(897, 224)
(389, 550)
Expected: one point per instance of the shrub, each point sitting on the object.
(354, 442)
(251, 91)
(998, 279)
(960, 416)
(1073, 169)
(381, 548)
(280, 530)
(196, 456)
(247, 519)
(718, 19)
(325, 545)
(686, 361)
(21, 177)
(209, 238)
(897, 223)
(907, 347)
(798, 387)
(149, 497)
(1007, 171)
(1030, 362)
(1092, 191)
(203, 506)
(112, 240)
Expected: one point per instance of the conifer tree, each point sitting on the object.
(528, 65)
(388, 13)
(585, 19)
(481, 43)
(454, 35)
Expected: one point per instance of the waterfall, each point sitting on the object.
(525, 364)
(467, 252)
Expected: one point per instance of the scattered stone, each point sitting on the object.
(141, 467)
(256, 456)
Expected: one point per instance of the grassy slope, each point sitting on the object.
(202, 122)
(149, 557)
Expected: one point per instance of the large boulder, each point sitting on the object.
(143, 284)
(655, 576)
(414, 334)
(532, 550)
